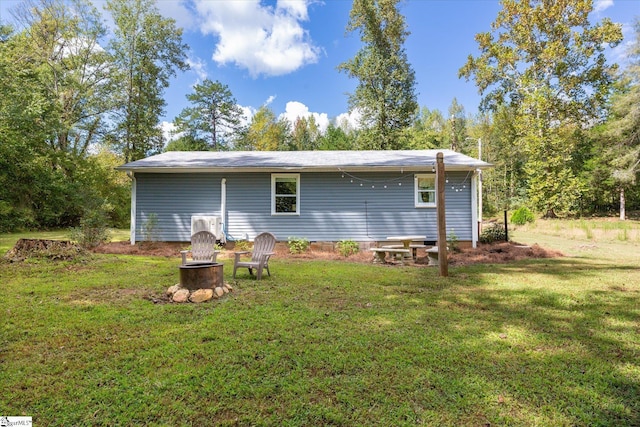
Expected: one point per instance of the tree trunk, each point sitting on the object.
(623, 215)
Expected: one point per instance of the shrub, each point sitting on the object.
(452, 242)
(348, 247)
(92, 230)
(150, 227)
(242, 245)
(522, 216)
(298, 245)
(493, 233)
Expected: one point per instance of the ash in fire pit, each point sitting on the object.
(205, 275)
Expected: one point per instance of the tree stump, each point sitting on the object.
(43, 248)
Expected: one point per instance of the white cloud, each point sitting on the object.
(247, 115)
(349, 121)
(270, 100)
(168, 129)
(600, 5)
(177, 10)
(199, 67)
(295, 110)
(265, 40)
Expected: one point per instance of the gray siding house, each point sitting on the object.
(318, 195)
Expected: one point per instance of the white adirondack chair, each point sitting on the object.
(203, 249)
(263, 246)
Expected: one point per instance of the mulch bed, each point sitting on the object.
(495, 253)
(498, 253)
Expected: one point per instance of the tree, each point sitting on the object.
(504, 185)
(623, 128)
(457, 126)
(62, 50)
(214, 116)
(385, 94)
(187, 142)
(305, 134)
(428, 130)
(335, 138)
(147, 50)
(546, 61)
(54, 85)
(265, 132)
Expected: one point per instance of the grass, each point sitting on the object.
(552, 342)
(602, 229)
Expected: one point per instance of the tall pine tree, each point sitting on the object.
(214, 116)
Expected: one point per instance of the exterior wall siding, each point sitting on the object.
(332, 206)
(173, 198)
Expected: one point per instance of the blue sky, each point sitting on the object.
(285, 53)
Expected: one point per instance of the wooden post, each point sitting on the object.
(442, 226)
(506, 228)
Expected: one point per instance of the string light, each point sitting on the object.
(384, 182)
(460, 187)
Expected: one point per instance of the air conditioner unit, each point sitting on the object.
(212, 224)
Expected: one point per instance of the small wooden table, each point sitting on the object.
(406, 241)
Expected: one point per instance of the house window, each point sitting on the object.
(285, 194)
(425, 186)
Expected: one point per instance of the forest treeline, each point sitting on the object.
(559, 122)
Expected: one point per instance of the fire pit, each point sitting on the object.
(205, 275)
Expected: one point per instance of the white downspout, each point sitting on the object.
(474, 210)
(479, 187)
(223, 208)
(132, 231)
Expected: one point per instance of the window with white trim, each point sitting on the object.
(425, 190)
(285, 194)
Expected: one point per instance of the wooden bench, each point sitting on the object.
(380, 254)
(414, 248)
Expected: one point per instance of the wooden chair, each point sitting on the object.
(263, 246)
(203, 249)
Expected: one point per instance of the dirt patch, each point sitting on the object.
(166, 249)
(495, 253)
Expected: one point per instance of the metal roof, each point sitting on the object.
(254, 161)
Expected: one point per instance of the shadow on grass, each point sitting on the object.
(544, 342)
(548, 342)
(552, 342)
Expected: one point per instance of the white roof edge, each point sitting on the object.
(317, 161)
(170, 169)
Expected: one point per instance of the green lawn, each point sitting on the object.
(553, 342)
